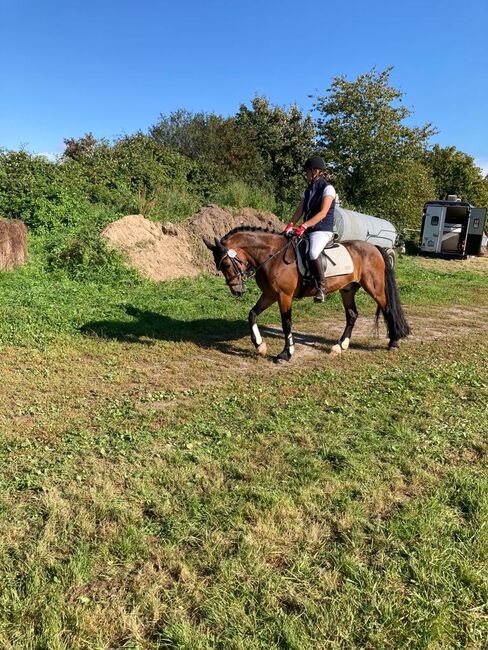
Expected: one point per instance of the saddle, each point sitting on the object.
(335, 258)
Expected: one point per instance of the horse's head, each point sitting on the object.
(232, 263)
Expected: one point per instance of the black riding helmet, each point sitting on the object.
(314, 162)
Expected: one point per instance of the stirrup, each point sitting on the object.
(319, 296)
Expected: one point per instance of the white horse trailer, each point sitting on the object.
(452, 228)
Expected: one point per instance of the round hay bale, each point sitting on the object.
(13, 244)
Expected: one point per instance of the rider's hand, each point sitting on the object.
(288, 228)
(300, 230)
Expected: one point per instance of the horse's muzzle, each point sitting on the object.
(238, 290)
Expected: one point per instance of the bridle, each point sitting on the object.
(237, 265)
(250, 271)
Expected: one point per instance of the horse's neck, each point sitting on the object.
(257, 246)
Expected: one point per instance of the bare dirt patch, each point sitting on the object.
(165, 251)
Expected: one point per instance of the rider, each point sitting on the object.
(317, 208)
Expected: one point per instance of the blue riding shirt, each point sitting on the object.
(312, 202)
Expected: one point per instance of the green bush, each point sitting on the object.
(172, 204)
(83, 254)
(237, 194)
(26, 182)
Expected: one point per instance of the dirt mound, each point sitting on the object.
(213, 221)
(159, 251)
(165, 251)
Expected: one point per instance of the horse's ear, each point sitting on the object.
(208, 244)
(220, 247)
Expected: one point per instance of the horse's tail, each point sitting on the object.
(394, 316)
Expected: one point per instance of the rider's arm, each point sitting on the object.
(296, 216)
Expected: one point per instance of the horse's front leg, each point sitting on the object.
(263, 303)
(285, 302)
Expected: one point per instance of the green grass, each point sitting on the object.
(159, 492)
(39, 308)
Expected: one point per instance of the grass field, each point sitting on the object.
(162, 487)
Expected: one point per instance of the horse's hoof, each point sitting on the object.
(335, 349)
(262, 349)
(283, 357)
(393, 348)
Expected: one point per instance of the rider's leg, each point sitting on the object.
(317, 268)
(318, 241)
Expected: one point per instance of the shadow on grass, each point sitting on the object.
(312, 340)
(216, 333)
(147, 326)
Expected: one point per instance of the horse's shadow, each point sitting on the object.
(146, 327)
(313, 340)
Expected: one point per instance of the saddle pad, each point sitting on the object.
(337, 261)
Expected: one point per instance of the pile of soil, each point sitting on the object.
(165, 251)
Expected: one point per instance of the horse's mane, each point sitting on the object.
(240, 229)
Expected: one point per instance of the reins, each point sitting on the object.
(250, 271)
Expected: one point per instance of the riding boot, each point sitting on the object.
(317, 268)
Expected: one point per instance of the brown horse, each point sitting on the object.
(271, 257)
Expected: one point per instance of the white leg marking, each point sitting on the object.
(336, 349)
(345, 344)
(291, 347)
(257, 334)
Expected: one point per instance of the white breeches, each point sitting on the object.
(318, 241)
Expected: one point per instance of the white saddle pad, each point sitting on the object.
(337, 261)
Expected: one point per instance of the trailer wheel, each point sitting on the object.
(391, 254)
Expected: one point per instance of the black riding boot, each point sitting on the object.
(317, 268)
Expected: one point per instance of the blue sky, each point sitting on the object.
(112, 67)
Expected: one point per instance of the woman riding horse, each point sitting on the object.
(272, 258)
(317, 208)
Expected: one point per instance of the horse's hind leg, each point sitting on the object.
(350, 308)
(263, 303)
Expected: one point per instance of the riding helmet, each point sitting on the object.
(314, 162)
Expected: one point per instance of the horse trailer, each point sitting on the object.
(452, 228)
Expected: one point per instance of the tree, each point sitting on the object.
(284, 139)
(216, 142)
(264, 146)
(455, 172)
(371, 151)
(76, 149)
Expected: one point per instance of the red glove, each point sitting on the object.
(300, 230)
(288, 228)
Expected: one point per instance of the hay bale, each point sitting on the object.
(13, 244)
